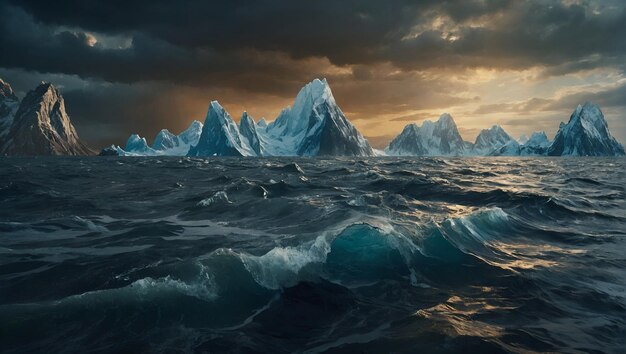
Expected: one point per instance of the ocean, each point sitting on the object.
(280, 255)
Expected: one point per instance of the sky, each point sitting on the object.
(139, 66)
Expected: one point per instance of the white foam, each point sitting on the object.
(280, 266)
(219, 197)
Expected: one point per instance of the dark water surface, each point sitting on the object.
(471, 255)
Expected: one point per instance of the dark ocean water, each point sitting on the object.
(470, 255)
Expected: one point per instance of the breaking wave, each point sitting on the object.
(378, 255)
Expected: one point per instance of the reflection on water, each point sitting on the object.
(315, 255)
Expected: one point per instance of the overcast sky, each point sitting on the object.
(139, 66)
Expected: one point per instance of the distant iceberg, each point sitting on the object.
(313, 126)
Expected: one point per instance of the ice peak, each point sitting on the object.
(590, 105)
(591, 111)
(538, 138)
(445, 117)
(315, 92)
(411, 127)
(247, 118)
(215, 105)
(446, 120)
(136, 143)
(585, 134)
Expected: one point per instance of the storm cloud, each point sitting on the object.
(146, 65)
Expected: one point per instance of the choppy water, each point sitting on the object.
(312, 255)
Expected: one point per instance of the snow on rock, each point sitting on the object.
(247, 129)
(220, 136)
(586, 134)
(111, 150)
(536, 145)
(538, 139)
(489, 140)
(165, 140)
(440, 138)
(138, 145)
(511, 148)
(522, 139)
(191, 135)
(314, 125)
(165, 143)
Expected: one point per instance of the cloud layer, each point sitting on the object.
(156, 64)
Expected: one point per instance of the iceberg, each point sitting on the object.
(585, 134)
(440, 138)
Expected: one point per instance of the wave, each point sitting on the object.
(218, 198)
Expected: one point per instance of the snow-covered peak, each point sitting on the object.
(294, 120)
(412, 128)
(585, 134)
(191, 135)
(315, 91)
(538, 139)
(314, 125)
(246, 119)
(220, 136)
(431, 138)
(165, 143)
(490, 139)
(522, 139)
(495, 129)
(591, 118)
(248, 131)
(165, 140)
(446, 119)
(136, 143)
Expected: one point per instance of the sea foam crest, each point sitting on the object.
(280, 266)
(219, 197)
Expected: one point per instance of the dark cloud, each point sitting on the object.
(526, 34)
(199, 41)
(301, 28)
(142, 65)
